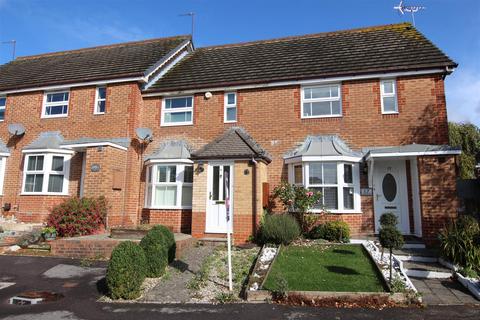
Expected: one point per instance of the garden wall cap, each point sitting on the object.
(170, 149)
(323, 145)
(234, 143)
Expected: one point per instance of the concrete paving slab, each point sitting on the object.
(443, 292)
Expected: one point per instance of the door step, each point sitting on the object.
(417, 255)
(212, 241)
(426, 270)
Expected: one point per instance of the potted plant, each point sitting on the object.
(49, 233)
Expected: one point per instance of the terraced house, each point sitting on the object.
(167, 131)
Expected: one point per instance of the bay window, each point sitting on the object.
(337, 181)
(46, 174)
(169, 186)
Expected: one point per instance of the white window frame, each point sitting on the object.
(53, 104)
(47, 171)
(230, 106)
(3, 165)
(4, 107)
(187, 109)
(389, 95)
(340, 184)
(96, 109)
(305, 100)
(179, 183)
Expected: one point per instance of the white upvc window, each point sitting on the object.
(46, 174)
(388, 93)
(3, 163)
(169, 186)
(55, 104)
(321, 101)
(177, 111)
(230, 111)
(3, 105)
(100, 100)
(339, 183)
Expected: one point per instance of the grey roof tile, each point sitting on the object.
(416, 148)
(233, 144)
(129, 59)
(124, 142)
(397, 47)
(46, 140)
(3, 147)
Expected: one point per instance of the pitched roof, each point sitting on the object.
(235, 143)
(123, 60)
(397, 47)
(3, 147)
(171, 149)
(323, 146)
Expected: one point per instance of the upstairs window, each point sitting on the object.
(55, 104)
(321, 101)
(3, 104)
(388, 93)
(177, 111)
(230, 107)
(100, 100)
(169, 186)
(46, 174)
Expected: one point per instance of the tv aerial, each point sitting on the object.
(411, 9)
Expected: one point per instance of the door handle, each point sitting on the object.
(377, 196)
(210, 196)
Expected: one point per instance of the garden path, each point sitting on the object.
(173, 288)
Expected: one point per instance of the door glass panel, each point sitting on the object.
(226, 177)
(215, 183)
(389, 187)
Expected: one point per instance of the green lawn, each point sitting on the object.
(325, 268)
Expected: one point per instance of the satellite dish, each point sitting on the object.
(144, 134)
(16, 129)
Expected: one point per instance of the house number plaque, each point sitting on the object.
(366, 191)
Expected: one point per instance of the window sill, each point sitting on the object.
(169, 208)
(338, 212)
(44, 194)
(176, 124)
(98, 113)
(230, 121)
(387, 113)
(54, 117)
(322, 117)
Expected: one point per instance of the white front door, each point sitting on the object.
(219, 197)
(390, 192)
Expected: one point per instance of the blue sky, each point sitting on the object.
(41, 26)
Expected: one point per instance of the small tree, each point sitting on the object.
(298, 200)
(390, 238)
(388, 219)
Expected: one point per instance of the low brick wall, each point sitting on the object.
(98, 247)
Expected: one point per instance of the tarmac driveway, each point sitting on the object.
(79, 286)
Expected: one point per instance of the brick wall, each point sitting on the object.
(178, 220)
(438, 194)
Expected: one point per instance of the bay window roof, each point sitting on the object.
(323, 147)
(3, 148)
(170, 150)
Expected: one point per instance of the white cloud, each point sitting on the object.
(463, 96)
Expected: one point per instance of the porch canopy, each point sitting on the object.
(410, 150)
(234, 144)
(170, 151)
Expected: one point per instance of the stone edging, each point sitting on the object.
(473, 285)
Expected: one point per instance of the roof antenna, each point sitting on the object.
(412, 9)
(13, 43)
(191, 14)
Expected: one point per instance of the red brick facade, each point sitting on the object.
(272, 116)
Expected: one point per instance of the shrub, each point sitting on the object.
(169, 239)
(459, 242)
(156, 251)
(126, 271)
(337, 231)
(391, 238)
(279, 229)
(388, 219)
(78, 216)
